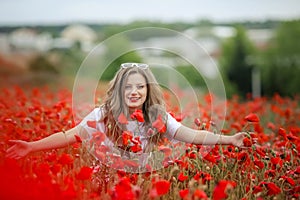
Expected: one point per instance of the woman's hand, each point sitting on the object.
(19, 149)
(238, 139)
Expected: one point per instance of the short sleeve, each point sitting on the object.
(92, 122)
(172, 126)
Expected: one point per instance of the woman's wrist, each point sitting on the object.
(226, 140)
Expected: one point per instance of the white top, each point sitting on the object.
(97, 114)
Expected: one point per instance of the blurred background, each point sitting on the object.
(255, 44)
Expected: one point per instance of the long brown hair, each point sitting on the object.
(114, 104)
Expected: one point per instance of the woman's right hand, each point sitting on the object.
(19, 149)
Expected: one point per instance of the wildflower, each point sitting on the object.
(122, 119)
(160, 187)
(126, 137)
(273, 189)
(159, 125)
(65, 159)
(91, 124)
(138, 115)
(200, 194)
(98, 137)
(85, 173)
(182, 177)
(78, 139)
(252, 118)
(282, 132)
(184, 193)
(221, 188)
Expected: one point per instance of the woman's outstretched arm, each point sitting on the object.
(57, 140)
(204, 137)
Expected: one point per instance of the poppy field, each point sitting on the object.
(267, 169)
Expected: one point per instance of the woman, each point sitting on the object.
(132, 119)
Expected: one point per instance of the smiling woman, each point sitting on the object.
(131, 123)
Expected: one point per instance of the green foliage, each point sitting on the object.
(116, 48)
(192, 75)
(236, 63)
(280, 64)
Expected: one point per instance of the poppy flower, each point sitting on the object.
(289, 180)
(273, 189)
(247, 142)
(160, 187)
(122, 119)
(200, 194)
(85, 173)
(184, 193)
(221, 188)
(78, 139)
(166, 150)
(282, 132)
(98, 137)
(182, 177)
(138, 115)
(126, 137)
(91, 124)
(252, 118)
(65, 159)
(136, 148)
(159, 125)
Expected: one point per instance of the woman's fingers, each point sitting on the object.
(15, 150)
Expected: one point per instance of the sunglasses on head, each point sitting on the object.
(139, 65)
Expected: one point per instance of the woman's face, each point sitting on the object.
(135, 91)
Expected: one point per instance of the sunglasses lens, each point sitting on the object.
(143, 66)
(140, 65)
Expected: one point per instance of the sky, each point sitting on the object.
(19, 12)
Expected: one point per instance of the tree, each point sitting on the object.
(115, 54)
(235, 61)
(280, 64)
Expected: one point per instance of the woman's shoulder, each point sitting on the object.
(100, 111)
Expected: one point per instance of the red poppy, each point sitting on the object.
(136, 148)
(200, 194)
(160, 187)
(289, 180)
(123, 190)
(221, 188)
(138, 115)
(78, 139)
(182, 177)
(184, 193)
(85, 173)
(91, 124)
(257, 189)
(159, 125)
(98, 137)
(247, 142)
(65, 159)
(122, 119)
(211, 158)
(166, 150)
(259, 164)
(126, 137)
(273, 189)
(282, 132)
(252, 118)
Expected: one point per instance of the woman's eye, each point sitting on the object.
(140, 86)
(127, 87)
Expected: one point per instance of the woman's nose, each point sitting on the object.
(134, 91)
